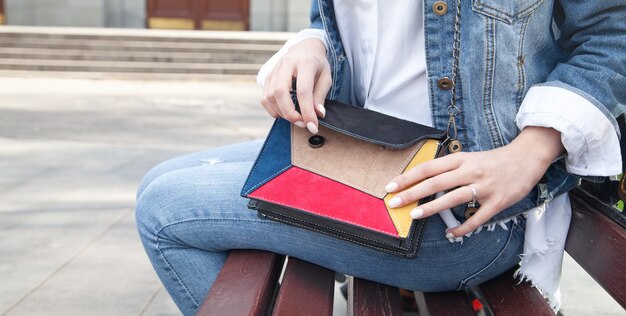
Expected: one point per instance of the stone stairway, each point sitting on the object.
(149, 54)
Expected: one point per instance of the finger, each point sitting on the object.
(306, 76)
(446, 201)
(484, 213)
(430, 186)
(268, 103)
(270, 97)
(322, 86)
(281, 91)
(276, 108)
(423, 171)
(270, 110)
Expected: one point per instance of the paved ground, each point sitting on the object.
(72, 152)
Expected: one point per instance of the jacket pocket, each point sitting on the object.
(506, 11)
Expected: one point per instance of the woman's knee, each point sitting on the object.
(184, 194)
(157, 171)
(174, 196)
(155, 205)
(164, 168)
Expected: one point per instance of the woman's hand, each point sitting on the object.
(501, 177)
(306, 62)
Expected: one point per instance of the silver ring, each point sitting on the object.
(473, 202)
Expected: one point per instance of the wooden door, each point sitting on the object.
(171, 14)
(224, 14)
(2, 20)
(198, 14)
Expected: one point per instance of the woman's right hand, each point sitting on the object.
(306, 62)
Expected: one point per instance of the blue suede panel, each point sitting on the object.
(275, 157)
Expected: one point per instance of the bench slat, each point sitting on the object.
(598, 244)
(306, 289)
(444, 304)
(371, 298)
(506, 297)
(245, 284)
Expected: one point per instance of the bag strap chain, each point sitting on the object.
(454, 145)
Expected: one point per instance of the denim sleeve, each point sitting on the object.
(592, 35)
(316, 19)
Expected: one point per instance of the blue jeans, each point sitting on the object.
(190, 214)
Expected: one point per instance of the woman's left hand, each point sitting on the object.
(500, 177)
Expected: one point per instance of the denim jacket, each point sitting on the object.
(506, 48)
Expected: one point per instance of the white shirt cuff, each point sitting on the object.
(588, 136)
(300, 36)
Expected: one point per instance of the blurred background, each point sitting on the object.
(94, 93)
(233, 15)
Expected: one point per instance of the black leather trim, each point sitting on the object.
(375, 127)
(404, 247)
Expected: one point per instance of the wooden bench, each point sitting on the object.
(249, 282)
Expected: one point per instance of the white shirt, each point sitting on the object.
(387, 56)
(397, 85)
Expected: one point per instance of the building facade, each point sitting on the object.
(253, 15)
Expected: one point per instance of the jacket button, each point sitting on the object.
(444, 83)
(469, 212)
(440, 8)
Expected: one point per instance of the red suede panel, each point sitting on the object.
(307, 191)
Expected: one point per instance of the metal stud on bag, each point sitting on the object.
(454, 146)
(316, 141)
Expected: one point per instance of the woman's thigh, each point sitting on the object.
(200, 207)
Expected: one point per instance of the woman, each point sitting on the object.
(539, 84)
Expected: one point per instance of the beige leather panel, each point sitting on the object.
(361, 165)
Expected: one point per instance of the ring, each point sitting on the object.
(473, 202)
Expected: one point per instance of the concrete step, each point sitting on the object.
(149, 37)
(134, 76)
(125, 45)
(243, 57)
(125, 66)
(149, 34)
(123, 51)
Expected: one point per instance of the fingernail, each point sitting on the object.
(300, 124)
(322, 109)
(395, 202)
(449, 236)
(391, 186)
(312, 128)
(417, 213)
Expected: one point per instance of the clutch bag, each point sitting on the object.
(333, 182)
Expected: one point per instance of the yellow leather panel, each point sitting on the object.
(400, 216)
